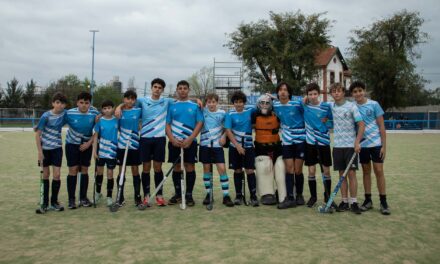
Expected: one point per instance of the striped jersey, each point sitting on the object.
(317, 132)
(129, 128)
(80, 125)
(154, 114)
(107, 130)
(345, 117)
(50, 125)
(291, 116)
(183, 117)
(240, 124)
(212, 127)
(370, 111)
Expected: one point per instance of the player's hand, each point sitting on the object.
(97, 118)
(118, 112)
(357, 147)
(200, 103)
(324, 120)
(187, 143)
(176, 143)
(85, 146)
(273, 97)
(40, 157)
(222, 141)
(383, 152)
(241, 150)
(95, 155)
(305, 100)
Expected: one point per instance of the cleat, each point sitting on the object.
(300, 199)
(355, 208)
(254, 202)
(120, 203)
(109, 201)
(311, 202)
(342, 207)
(56, 206)
(137, 200)
(227, 201)
(175, 199)
(41, 210)
(238, 200)
(146, 202)
(189, 200)
(287, 203)
(384, 209)
(367, 205)
(85, 202)
(206, 201)
(160, 201)
(72, 204)
(268, 199)
(98, 197)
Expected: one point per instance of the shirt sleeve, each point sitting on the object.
(97, 127)
(228, 121)
(139, 102)
(169, 115)
(356, 114)
(378, 110)
(199, 116)
(42, 123)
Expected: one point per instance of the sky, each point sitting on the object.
(45, 40)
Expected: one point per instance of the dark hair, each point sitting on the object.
(289, 89)
(336, 86)
(60, 97)
(130, 94)
(107, 103)
(158, 81)
(86, 96)
(211, 96)
(356, 84)
(183, 82)
(238, 95)
(312, 87)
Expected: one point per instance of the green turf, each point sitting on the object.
(225, 235)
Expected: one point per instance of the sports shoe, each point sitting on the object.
(300, 199)
(109, 201)
(355, 208)
(98, 197)
(311, 202)
(56, 206)
(85, 202)
(72, 204)
(175, 199)
(254, 202)
(367, 205)
(160, 201)
(238, 200)
(287, 203)
(137, 200)
(189, 200)
(227, 201)
(121, 202)
(343, 206)
(384, 209)
(41, 210)
(146, 201)
(268, 199)
(206, 200)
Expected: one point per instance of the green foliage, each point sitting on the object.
(70, 85)
(29, 96)
(284, 48)
(13, 96)
(383, 55)
(105, 92)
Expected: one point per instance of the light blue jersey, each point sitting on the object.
(212, 127)
(129, 128)
(370, 111)
(80, 125)
(317, 132)
(183, 117)
(107, 130)
(291, 116)
(50, 125)
(240, 124)
(345, 117)
(154, 114)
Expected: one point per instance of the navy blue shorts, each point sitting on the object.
(237, 161)
(341, 158)
(294, 151)
(111, 163)
(209, 155)
(189, 154)
(370, 154)
(133, 158)
(52, 157)
(75, 157)
(318, 154)
(152, 149)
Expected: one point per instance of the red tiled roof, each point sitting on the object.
(323, 57)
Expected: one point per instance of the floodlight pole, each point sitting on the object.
(92, 83)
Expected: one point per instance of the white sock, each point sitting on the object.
(353, 200)
(345, 200)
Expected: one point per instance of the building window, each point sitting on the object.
(332, 77)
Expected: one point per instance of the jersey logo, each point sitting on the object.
(369, 112)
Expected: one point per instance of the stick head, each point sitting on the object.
(209, 207)
(114, 208)
(183, 206)
(40, 211)
(324, 210)
(141, 207)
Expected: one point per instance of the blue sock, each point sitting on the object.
(207, 181)
(224, 180)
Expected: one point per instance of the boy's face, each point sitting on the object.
(156, 90)
(83, 105)
(107, 111)
(338, 94)
(358, 94)
(129, 102)
(58, 106)
(182, 91)
(283, 94)
(239, 105)
(313, 97)
(212, 105)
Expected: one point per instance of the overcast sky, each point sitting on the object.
(46, 40)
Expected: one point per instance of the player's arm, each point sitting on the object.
(360, 135)
(95, 145)
(383, 136)
(38, 142)
(234, 142)
(84, 146)
(171, 138)
(187, 142)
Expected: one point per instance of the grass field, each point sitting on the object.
(411, 234)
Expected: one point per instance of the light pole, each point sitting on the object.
(92, 83)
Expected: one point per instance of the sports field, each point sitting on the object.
(411, 234)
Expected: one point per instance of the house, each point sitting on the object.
(332, 68)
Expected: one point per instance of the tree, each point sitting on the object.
(282, 49)
(69, 85)
(383, 57)
(105, 92)
(13, 97)
(29, 96)
(201, 81)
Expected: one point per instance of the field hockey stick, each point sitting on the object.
(182, 180)
(115, 206)
(78, 176)
(243, 180)
(325, 209)
(94, 185)
(210, 206)
(41, 209)
(142, 206)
